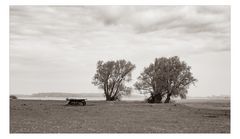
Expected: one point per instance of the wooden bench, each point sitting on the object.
(72, 101)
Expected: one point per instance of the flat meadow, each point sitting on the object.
(54, 116)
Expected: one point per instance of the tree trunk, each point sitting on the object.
(168, 98)
(155, 98)
(150, 99)
(158, 98)
(110, 98)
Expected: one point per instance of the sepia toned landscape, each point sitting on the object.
(120, 69)
(52, 116)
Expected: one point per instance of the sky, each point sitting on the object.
(56, 48)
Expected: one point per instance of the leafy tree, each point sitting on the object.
(111, 76)
(148, 82)
(166, 77)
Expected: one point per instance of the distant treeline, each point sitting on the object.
(55, 94)
(58, 94)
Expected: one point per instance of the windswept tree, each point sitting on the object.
(165, 78)
(111, 76)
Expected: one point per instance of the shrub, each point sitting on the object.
(13, 97)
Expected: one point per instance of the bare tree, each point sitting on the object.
(111, 76)
(166, 77)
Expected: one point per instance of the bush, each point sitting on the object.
(13, 97)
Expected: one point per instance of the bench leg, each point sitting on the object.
(84, 103)
(69, 103)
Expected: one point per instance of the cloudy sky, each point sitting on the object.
(56, 48)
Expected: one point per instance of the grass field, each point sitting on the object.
(52, 116)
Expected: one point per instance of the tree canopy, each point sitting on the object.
(166, 77)
(111, 76)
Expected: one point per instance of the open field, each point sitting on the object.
(53, 116)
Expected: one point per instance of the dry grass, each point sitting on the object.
(46, 116)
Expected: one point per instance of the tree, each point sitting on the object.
(148, 83)
(111, 76)
(166, 77)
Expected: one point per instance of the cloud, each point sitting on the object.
(66, 24)
(152, 18)
(66, 39)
